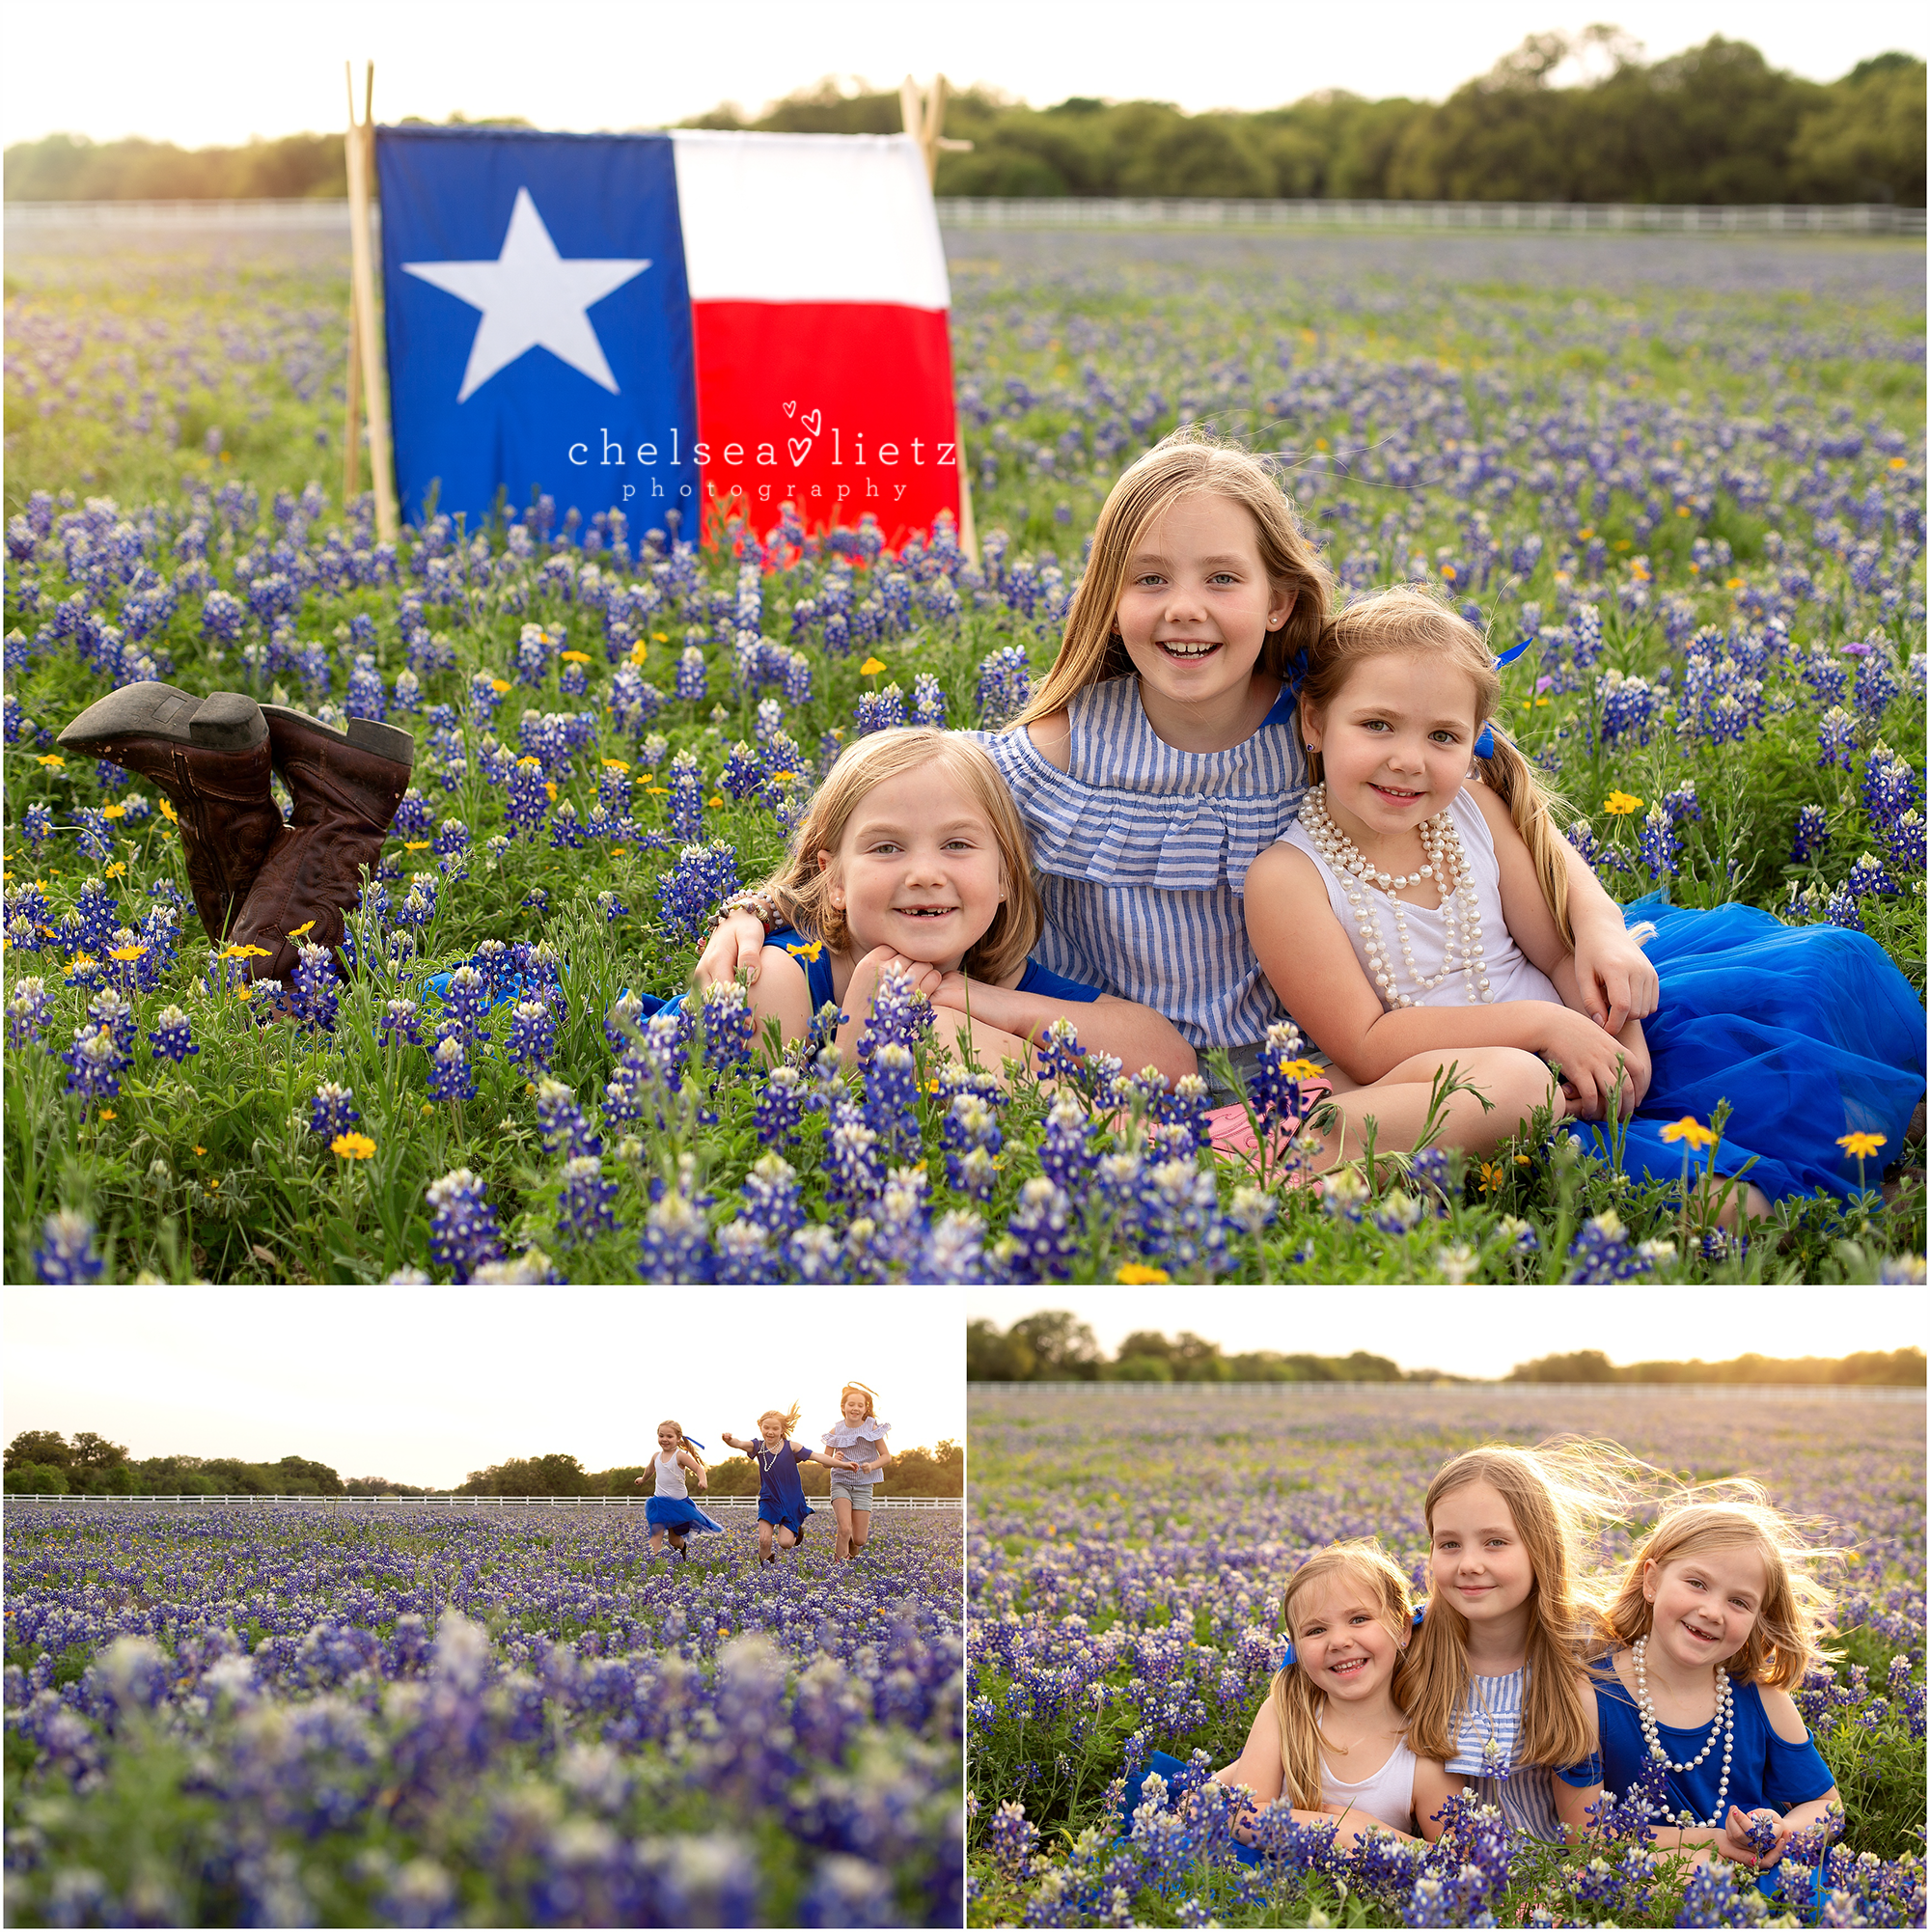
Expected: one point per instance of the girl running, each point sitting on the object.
(1159, 758)
(855, 1448)
(669, 1512)
(780, 1505)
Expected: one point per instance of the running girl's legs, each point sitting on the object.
(842, 1545)
(861, 1528)
(763, 1540)
(786, 1539)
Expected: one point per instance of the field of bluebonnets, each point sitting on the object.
(1126, 1552)
(370, 1716)
(1692, 470)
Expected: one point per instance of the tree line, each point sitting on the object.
(1715, 123)
(1899, 1367)
(44, 1462)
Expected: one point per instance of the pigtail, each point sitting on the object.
(1509, 776)
(684, 1441)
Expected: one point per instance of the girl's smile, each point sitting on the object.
(1340, 1640)
(1480, 1564)
(1704, 1606)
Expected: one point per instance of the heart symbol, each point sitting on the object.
(813, 420)
(800, 448)
(790, 408)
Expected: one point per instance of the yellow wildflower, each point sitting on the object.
(113, 811)
(128, 954)
(1733, 584)
(1137, 1274)
(298, 931)
(549, 785)
(615, 764)
(115, 870)
(716, 799)
(499, 685)
(1302, 1069)
(415, 844)
(870, 667)
(576, 658)
(1898, 463)
(106, 1114)
(353, 1147)
(54, 763)
(1692, 1130)
(244, 953)
(661, 636)
(815, 950)
(530, 763)
(201, 1150)
(1622, 804)
(1861, 1147)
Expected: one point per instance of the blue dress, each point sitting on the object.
(780, 1494)
(675, 1513)
(1808, 1033)
(1764, 1769)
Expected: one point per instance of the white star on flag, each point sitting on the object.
(531, 298)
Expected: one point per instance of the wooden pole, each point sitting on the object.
(352, 428)
(924, 123)
(360, 154)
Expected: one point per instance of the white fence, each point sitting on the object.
(449, 1505)
(1397, 1391)
(26, 218)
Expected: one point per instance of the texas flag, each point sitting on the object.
(714, 323)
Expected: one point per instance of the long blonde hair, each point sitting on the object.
(801, 887)
(1797, 1608)
(1192, 462)
(1559, 1494)
(789, 1418)
(683, 1443)
(1411, 617)
(1296, 1704)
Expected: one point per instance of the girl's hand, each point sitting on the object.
(1618, 980)
(862, 989)
(1745, 1832)
(1588, 1059)
(736, 947)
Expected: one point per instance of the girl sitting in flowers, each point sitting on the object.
(1716, 1619)
(1332, 1736)
(1159, 760)
(911, 864)
(670, 1510)
(1421, 913)
(1497, 1698)
(781, 1505)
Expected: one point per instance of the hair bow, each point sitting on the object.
(693, 1442)
(1484, 745)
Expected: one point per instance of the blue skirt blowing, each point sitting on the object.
(677, 1512)
(1809, 1032)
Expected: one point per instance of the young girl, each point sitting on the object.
(1158, 759)
(780, 1505)
(669, 1511)
(855, 1448)
(1717, 1618)
(910, 860)
(1498, 1698)
(1421, 911)
(1332, 1736)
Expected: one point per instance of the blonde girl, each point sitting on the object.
(1717, 1617)
(855, 1448)
(1423, 909)
(781, 1509)
(1499, 1696)
(1332, 1736)
(669, 1512)
(912, 862)
(1158, 759)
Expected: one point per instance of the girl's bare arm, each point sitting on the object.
(1136, 1035)
(1433, 1785)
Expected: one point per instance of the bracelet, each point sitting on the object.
(769, 914)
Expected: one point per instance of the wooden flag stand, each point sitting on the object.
(365, 398)
(925, 121)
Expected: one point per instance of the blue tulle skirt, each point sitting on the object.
(677, 1512)
(1808, 1033)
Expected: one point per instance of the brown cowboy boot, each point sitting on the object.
(211, 755)
(347, 786)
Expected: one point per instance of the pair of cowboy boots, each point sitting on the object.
(256, 880)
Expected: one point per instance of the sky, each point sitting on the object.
(1484, 1332)
(425, 1390)
(214, 72)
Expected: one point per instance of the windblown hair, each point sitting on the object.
(1559, 1494)
(1296, 1704)
(1797, 1608)
(684, 1442)
(789, 1418)
(858, 1389)
(1192, 462)
(801, 886)
(1411, 617)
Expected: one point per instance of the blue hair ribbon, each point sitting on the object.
(1514, 650)
(693, 1442)
(1484, 745)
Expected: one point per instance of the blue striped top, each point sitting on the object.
(1526, 1792)
(1143, 853)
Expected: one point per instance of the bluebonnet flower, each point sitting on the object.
(536, 899)
(772, 1197)
(584, 1210)
(1888, 787)
(745, 1254)
(1602, 1256)
(702, 879)
(1812, 834)
(972, 1141)
(332, 1111)
(850, 1158)
(111, 1011)
(693, 681)
(1842, 910)
(1658, 843)
(1836, 737)
(96, 841)
(1868, 879)
(401, 1022)
(485, 699)
(1042, 1232)
(1280, 1076)
(815, 1254)
(96, 1063)
(65, 1257)
(1877, 682)
(743, 771)
(780, 1109)
(565, 832)
(1903, 838)
(452, 837)
(27, 1012)
(367, 696)
(1682, 805)
(465, 1002)
(880, 710)
(532, 1036)
(687, 798)
(562, 1122)
(221, 618)
(1065, 1148)
(36, 825)
(890, 1097)
(450, 1075)
(1628, 706)
(98, 913)
(412, 816)
(463, 1234)
(1005, 687)
(1179, 1218)
(317, 988)
(529, 795)
(726, 1027)
(675, 1246)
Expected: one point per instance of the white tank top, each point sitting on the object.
(1511, 975)
(670, 1477)
(1387, 1795)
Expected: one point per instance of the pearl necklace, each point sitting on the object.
(1724, 1724)
(1446, 864)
